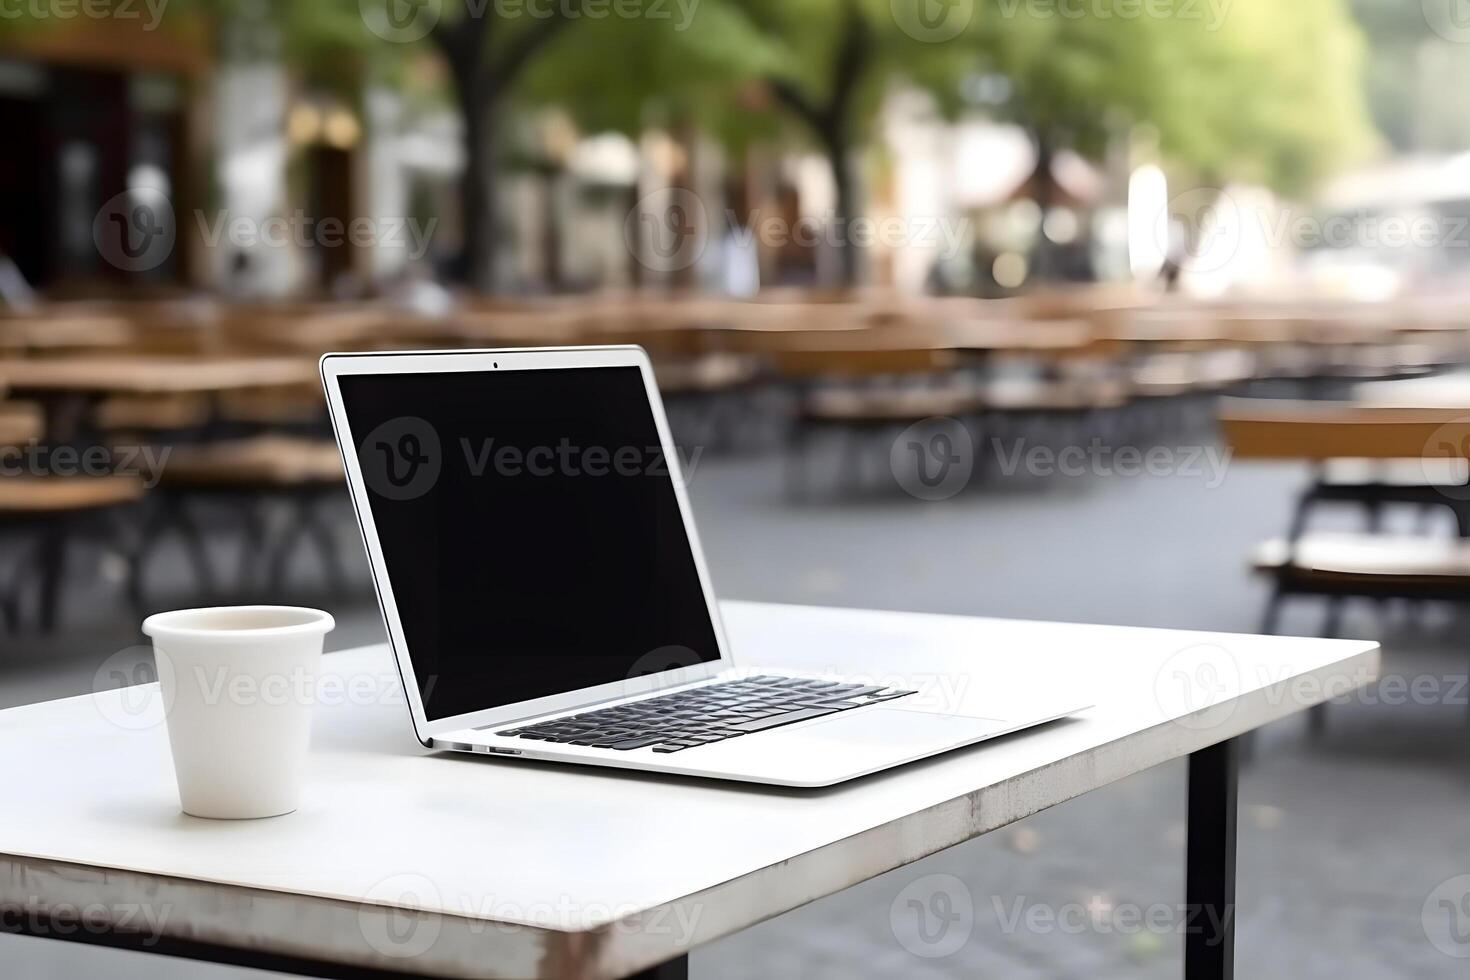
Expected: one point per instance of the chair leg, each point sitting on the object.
(1300, 517)
(1271, 619)
(193, 538)
(798, 450)
(1332, 624)
(1331, 629)
(55, 539)
(122, 524)
(252, 544)
(317, 524)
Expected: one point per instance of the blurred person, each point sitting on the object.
(15, 291)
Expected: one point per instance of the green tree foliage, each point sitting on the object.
(1250, 89)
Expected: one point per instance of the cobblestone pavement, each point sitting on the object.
(1345, 839)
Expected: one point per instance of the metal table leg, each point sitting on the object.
(1209, 938)
(677, 969)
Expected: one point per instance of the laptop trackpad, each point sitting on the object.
(895, 729)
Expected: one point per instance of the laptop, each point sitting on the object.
(545, 596)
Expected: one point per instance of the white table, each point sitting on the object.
(459, 866)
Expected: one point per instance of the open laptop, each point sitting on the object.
(543, 587)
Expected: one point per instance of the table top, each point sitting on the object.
(154, 375)
(75, 331)
(466, 866)
(1444, 391)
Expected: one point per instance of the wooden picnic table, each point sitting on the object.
(42, 333)
(153, 375)
(1445, 391)
(70, 389)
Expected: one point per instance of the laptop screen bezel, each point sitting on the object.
(337, 365)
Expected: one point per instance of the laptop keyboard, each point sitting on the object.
(705, 715)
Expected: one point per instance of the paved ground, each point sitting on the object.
(1344, 841)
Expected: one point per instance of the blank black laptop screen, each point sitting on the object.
(529, 529)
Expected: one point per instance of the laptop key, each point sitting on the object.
(636, 743)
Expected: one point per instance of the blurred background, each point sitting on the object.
(1147, 312)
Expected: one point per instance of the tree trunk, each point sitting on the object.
(475, 265)
(844, 178)
(1045, 264)
(463, 51)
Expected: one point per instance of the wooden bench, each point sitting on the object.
(858, 385)
(250, 476)
(51, 511)
(1365, 456)
(1383, 566)
(20, 423)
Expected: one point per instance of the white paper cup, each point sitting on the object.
(238, 685)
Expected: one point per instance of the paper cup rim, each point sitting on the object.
(188, 623)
